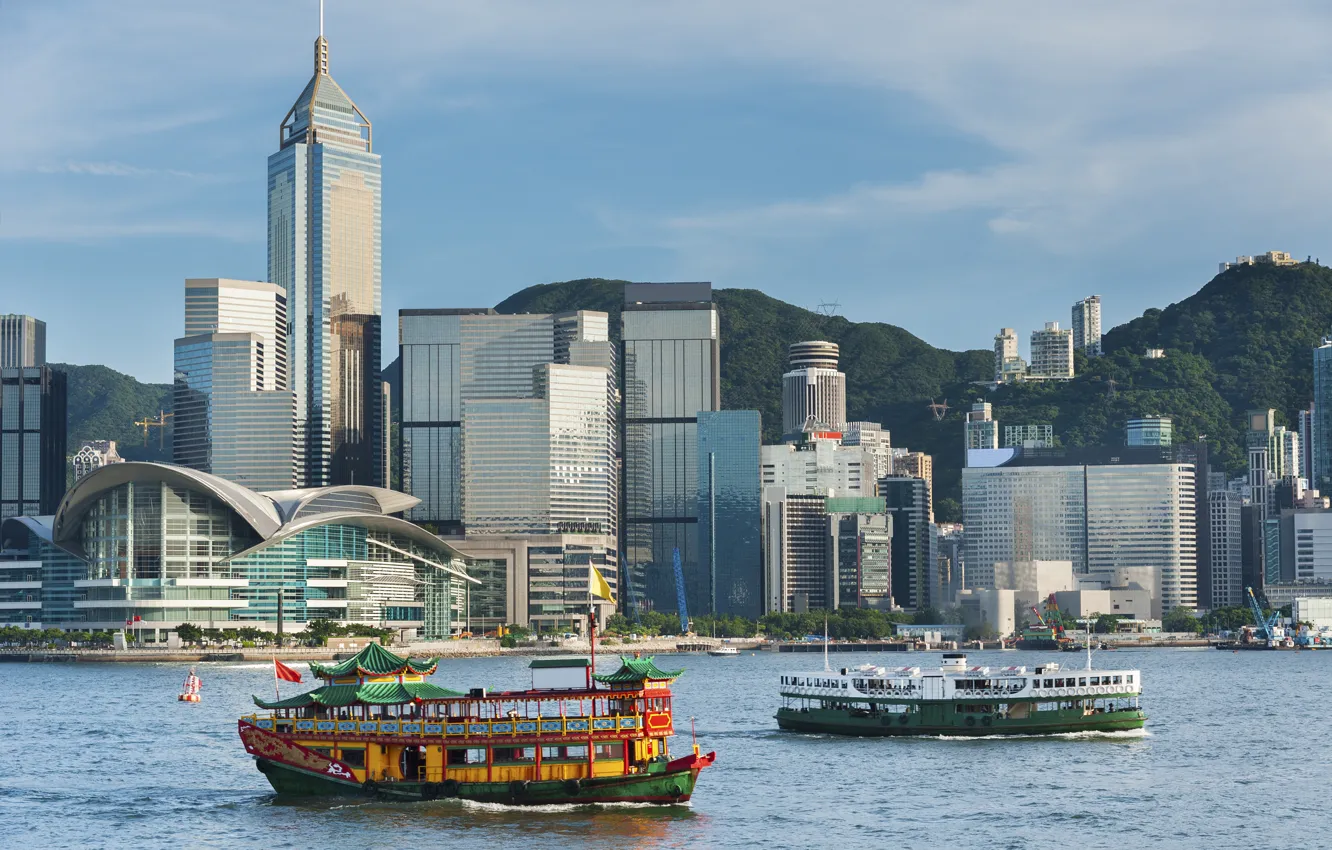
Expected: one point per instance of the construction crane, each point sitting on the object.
(680, 593)
(160, 422)
(1265, 627)
(939, 410)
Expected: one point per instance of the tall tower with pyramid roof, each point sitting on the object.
(324, 224)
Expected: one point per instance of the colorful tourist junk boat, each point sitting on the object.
(955, 699)
(377, 728)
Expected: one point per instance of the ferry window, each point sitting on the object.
(1129, 679)
(610, 751)
(1096, 680)
(1082, 682)
(1117, 680)
(1049, 683)
(353, 757)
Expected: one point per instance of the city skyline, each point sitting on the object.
(150, 192)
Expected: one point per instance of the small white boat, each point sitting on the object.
(724, 650)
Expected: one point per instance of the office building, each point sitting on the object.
(324, 224)
(729, 515)
(981, 429)
(908, 501)
(859, 556)
(94, 454)
(225, 424)
(163, 545)
(1086, 326)
(670, 367)
(22, 342)
(218, 305)
(1226, 562)
(950, 563)
(876, 439)
(1051, 353)
(32, 440)
(1322, 416)
(1286, 453)
(813, 391)
(795, 551)
(1150, 431)
(1102, 509)
(1260, 441)
(1305, 428)
(818, 467)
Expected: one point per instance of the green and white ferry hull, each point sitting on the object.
(957, 700)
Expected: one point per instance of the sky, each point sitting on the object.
(950, 168)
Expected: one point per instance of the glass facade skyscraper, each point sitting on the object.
(730, 575)
(224, 424)
(217, 305)
(1322, 417)
(671, 371)
(324, 223)
(32, 440)
(22, 341)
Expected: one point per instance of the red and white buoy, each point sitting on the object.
(190, 691)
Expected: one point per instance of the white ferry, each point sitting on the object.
(957, 699)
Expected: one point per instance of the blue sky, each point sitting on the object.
(950, 168)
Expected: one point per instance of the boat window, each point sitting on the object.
(1129, 678)
(476, 755)
(1095, 680)
(324, 751)
(578, 752)
(511, 755)
(610, 751)
(353, 756)
(1049, 683)
(1082, 682)
(1117, 680)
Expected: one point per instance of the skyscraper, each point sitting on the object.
(1322, 416)
(981, 429)
(1306, 429)
(224, 423)
(1150, 431)
(1005, 353)
(1087, 326)
(670, 363)
(873, 437)
(908, 501)
(220, 306)
(813, 389)
(324, 252)
(731, 561)
(22, 341)
(32, 440)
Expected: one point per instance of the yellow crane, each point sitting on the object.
(160, 422)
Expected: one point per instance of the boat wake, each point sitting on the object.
(565, 807)
(1121, 735)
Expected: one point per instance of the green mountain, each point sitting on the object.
(103, 404)
(1243, 341)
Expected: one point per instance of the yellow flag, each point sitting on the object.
(600, 587)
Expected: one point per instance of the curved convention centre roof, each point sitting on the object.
(274, 516)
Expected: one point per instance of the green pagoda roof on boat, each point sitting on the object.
(638, 670)
(374, 693)
(374, 660)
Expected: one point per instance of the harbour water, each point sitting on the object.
(1236, 752)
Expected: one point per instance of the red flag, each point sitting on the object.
(284, 672)
(137, 618)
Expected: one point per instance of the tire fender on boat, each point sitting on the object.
(369, 786)
(430, 791)
(971, 721)
(449, 787)
(572, 787)
(518, 788)
(902, 719)
(675, 791)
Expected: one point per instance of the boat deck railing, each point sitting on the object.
(470, 728)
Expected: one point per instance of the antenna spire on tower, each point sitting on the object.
(321, 18)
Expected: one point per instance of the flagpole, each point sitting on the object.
(277, 689)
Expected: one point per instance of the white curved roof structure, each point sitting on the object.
(296, 504)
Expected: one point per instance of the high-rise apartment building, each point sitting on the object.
(1006, 358)
(670, 367)
(32, 440)
(1260, 441)
(860, 558)
(1150, 431)
(981, 429)
(1086, 326)
(795, 550)
(730, 578)
(22, 342)
(225, 423)
(813, 391)
(1051, 352)
(876, 439)
(1226, 563)
(324, 223)
(221, 306)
